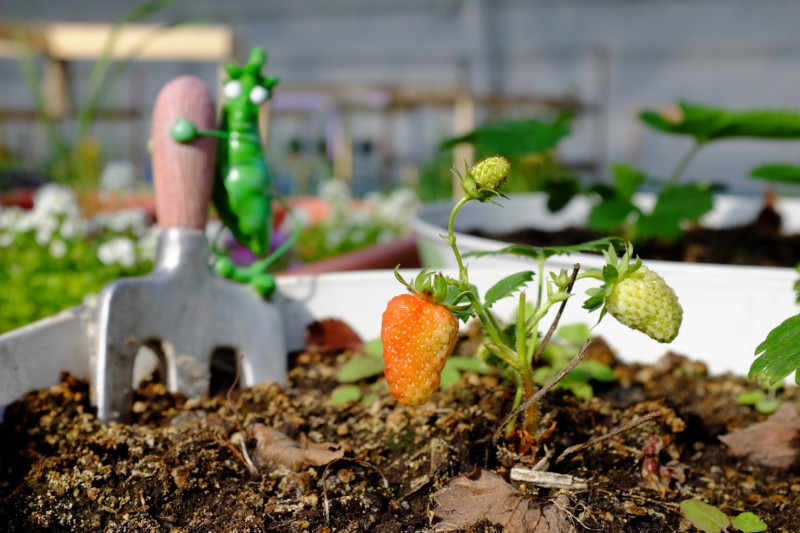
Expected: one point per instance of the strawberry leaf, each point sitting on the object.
(514, 138)
(449, 376)
(778, 173)
(359, 368)
(627, 180)
(468, 364)
(609, 214)
(574, 333)
(595, 246)
(708, 124)
(674, 206)
(507, 286)
(374, 348)
(748, 523)
(345, 394)
(780, 352)
(704, 517)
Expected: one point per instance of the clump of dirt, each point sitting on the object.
(759, 243)
(188, 464)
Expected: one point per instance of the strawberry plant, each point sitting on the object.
(678, 203)
(419, 329)
(779, 353)
(710, 519)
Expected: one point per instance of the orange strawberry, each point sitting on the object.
(418, 335)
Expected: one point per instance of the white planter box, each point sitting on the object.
(728, 310)
(32, 357)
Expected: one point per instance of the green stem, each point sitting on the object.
(489, 324)
(463, 281)
(540, 281)
(522, 338)
(683, 163)
(525, 369)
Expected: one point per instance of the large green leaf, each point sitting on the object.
(507, 286)
(515, 138)
(780, 352)
(610, 214)
(778, 172)
(596, 246)
(627, 180)
(675, 205)
(709, 124)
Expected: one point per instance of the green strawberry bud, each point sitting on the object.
(643, 301)
(491, 173)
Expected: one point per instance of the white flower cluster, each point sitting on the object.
(386, 215)
(120, 250)
(337, 193)
(133, 220)
(55, 215)
(394, 209)
(118, 176)
(55, 222)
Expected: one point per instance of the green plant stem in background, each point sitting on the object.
(687, 158)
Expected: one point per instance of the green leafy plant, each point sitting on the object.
(51, 257)
(779, 354)
(557, 355)
(529, 145)
(413, 364)
(710, 519)
(679, 203)
(763, 400)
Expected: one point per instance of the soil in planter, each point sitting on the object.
(759, 243)
(179, 467)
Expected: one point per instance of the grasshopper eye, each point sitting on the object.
(258, 95)
(232, 89)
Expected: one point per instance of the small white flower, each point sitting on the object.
(118, 176)
(148, 244)
(58, 248)
(9, 216)
(6, 240)
(72, 228)
(54, 199)
(90, 300)
(119, 250)
(398, 207)
(336, 192)
(134, 220)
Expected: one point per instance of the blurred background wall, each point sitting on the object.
(610, 58)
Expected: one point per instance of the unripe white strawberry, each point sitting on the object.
(643, 301)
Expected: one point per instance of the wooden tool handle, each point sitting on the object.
(183, 172)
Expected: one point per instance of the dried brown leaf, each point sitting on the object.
(331, 334)
(483, 495)
(773, 442)
(273, 447)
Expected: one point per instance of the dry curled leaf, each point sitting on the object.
(483, 495)
(274, 447)
(773, 442)
(331, 334)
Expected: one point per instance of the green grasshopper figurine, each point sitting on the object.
(242, 191)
